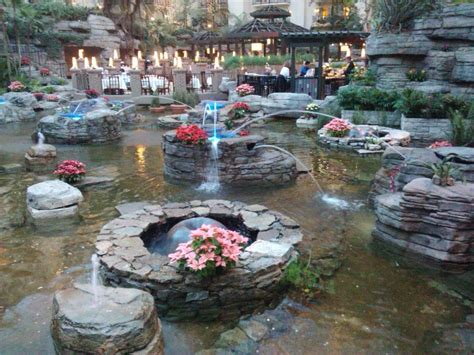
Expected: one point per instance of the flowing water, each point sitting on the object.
(95, 281)
(379, 303)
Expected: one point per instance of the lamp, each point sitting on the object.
(256, 47)
(362, 53)
(135, 63)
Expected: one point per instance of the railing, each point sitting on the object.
(264, 85)
(268, 2)
(38, 58)
(308, 86)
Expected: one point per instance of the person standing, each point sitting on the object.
(304, 68)
(349, 69)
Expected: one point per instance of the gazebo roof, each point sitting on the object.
(271, 12)
(264, 29)
(206, 37)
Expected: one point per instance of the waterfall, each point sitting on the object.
(95, 281)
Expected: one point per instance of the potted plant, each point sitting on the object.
(238, 110)
(337, 127)
(210, 251)
(244, 90)
(92, 93)
(70, 171)
(443, 172)
(191, 134)
(155, 106)
(184, 100)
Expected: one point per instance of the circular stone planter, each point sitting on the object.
(252, 285)
(357, 138)
(239, 163)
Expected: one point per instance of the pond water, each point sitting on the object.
(378, 303)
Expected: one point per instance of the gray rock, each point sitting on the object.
(21, 99)
(53, 194)
(126, 208)
(227, 85)
(12, 168)
(116, 320)
(286, 101)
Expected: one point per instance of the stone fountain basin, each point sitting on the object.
(239, 163)
(179, 295)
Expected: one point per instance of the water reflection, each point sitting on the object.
(140, 159)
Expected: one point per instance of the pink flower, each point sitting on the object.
(209, 249)
(338, 127)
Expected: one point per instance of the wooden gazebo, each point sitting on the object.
(266, 28)
(322, 40)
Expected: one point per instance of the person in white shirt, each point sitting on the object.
(285, 70)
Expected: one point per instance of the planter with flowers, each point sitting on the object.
(309, 119)
(218, 272)
(92, 93)
(337, 127)
(16, 86)
(238, 110)
(25, 61)
(70, 171)
(191, 134)
(210, 251)
(244, 90)
(44, 71)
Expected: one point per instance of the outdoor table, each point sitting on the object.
(121, 81)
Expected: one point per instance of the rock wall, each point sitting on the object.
(402, 165)
(100, 30)
(424, 131)
(429, 220)
(238, 163)
(381, 118)
(440, 43)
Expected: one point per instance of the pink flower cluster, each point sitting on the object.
(440, 144)
(244, 90)
(70, 170)
(210, 248)
(338, 127)
(51, 97)
(44, 71)
(16, 86)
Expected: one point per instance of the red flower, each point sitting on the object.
(25, 60)
(44, 71)
(240, 106)
(244, 133)
(93, 93)
(440, 144)
(191, 134)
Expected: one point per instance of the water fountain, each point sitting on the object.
(40, 157)
(248, 287)
(95, 281)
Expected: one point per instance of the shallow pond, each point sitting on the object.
(378, 304)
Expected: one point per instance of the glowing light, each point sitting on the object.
(111, 63)
(81, 53)
(216, 63)
(94, 63)
(116, 56)
(233, 53)
(139, 54)
(179, 63)
(256, 47)
(86, 63)
(140, 151)
(362, 53)
(166, 56)
(185, 54)
(135, 63)
(74, 63)
(157, 59)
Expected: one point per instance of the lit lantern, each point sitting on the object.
(213, 51)
(208, 50)
(216, 63)
(174, 62)
(256, 47)
(348, 52)
(157, 59)
(185, 54)
(81, 53)
(116, 56)
(269, 41)
(233, 53)
(74, 63)
(362, 53)
(222, 59)
(139, 54)
(161, 56)
(94, 63)
(86, 63)
(179, 63)
(135, 63)
(111, 63)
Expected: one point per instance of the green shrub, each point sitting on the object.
(462, 129)
(155, 102)
(58, 81)
(48, 90)
(60, 10)
(367, 99)
(398, 15)
(416, 75)
(186, 97)
(358, 118)
(301, 276)
(363, 77)
(413, 103)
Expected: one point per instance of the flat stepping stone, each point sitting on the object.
(126, 208)
(109, 321)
